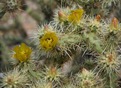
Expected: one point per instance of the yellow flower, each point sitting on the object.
(49, 40)
(75, 16)
(22, 52)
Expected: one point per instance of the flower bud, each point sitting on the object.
(115, 22)
(98, 18)
(62, 16)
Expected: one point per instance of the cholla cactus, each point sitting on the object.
(109, 62)
(108, 66)
(88, 79)
(14, 79)
(47, 41)
(10, 6)
(58, 44)
(73, 37)
(53, 74)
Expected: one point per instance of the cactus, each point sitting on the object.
(77, 49)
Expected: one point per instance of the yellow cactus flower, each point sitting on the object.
(49, 40)
(75, 16)
(22, 52)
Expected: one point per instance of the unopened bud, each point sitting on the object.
(62, 16)
(46, 27)
(110, 58)
(98, 18)
(53, 71)
(114, 22)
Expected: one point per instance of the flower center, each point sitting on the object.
(49, 40)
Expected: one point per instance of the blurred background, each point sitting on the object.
(19, 18)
